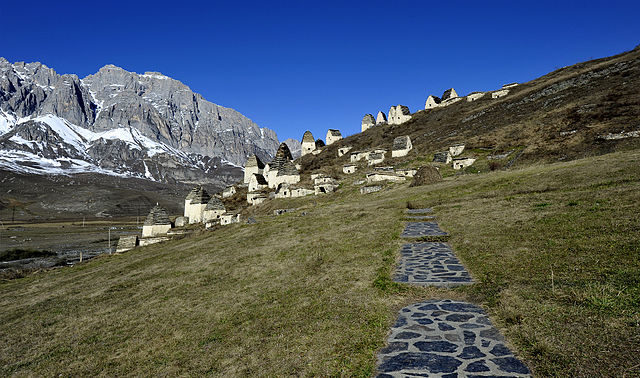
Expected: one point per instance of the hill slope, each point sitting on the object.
(309, 292)
(582, 110)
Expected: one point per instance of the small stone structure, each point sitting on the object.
(432, 102)
(401, 146)
(385, 176)
(229, 192)
(333, 136)
(450, 101)
(343, 150)
(127, 243)
(251, 167)
(283, 191)
(359, 155)
(456, 149)
(281, 162)
(368, 122)
(323, 185)
(349, 168)
(308, 143)
(213, 211)
(227, 218)
(153, 240)
(256, 198)
(442, 157)
(460, 163)
(407, 172)
(301, 192)
(475, 96)
(449, 94)
(399, 114)
(195, 203)
(381, 118)
(257, 182)
(181, 221)
(157, 223)
(370, 189)
(500, 93)
(510, 85)
(287, 174)
(383, 169)
(375, 157)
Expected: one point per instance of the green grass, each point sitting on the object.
(554, 249)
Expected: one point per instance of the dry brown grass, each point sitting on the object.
(312, 295)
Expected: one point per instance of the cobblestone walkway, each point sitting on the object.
(445, 338)
(422, 229)
(430, 264)
(441, 338)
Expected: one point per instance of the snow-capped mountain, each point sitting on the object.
(120, 123)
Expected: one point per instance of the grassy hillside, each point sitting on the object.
(554, 249)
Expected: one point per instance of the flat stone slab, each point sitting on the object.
(420, 217)
(445, 338)
(430, 264)
(420, 211)
(422, 229)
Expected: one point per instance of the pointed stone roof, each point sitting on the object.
(198, 196)
(260, 179)
(283, 154)
(254, 161)
(288, 169)
(157, 216)
(401, 142)
(368, 119)
(307, 137)
(319, 143)
(215, 204)
(449, 93)
(334, 132)
(401, 109)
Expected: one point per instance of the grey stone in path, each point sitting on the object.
(445, 338)
(430, 264)
(420, 217)
(422, 229)
(419, 211)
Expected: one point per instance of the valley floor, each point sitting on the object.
(553, 249)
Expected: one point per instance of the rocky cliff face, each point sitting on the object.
(161, 109)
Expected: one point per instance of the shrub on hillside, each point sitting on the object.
(426, 175)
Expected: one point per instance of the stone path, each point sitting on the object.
(420, 211)
(444, 338)
(420, 217)
(430, 264)
(441, 338)
(422, 229)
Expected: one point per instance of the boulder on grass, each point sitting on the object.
(426, 175)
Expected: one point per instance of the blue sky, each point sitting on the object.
(293, 66)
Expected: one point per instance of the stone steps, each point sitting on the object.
(441, 338)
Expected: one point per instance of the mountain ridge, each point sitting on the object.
(159, 107)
